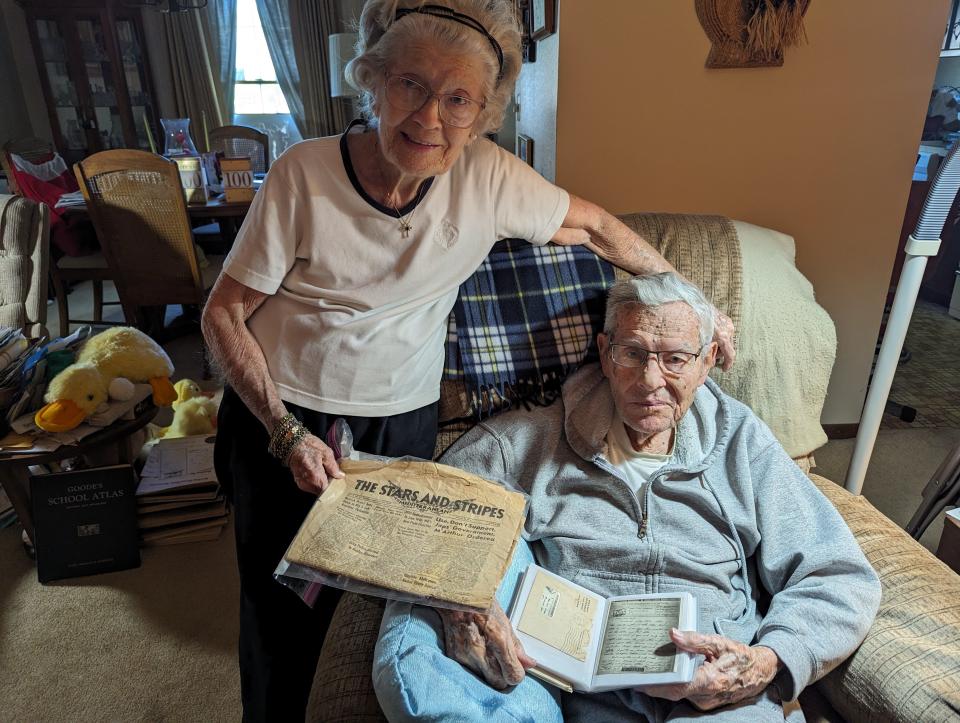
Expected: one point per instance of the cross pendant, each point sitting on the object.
(405, 228)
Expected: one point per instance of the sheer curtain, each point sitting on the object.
(296, 33)
(202, 51)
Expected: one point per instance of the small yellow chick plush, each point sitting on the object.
(191, 416)
(76, 392)
(188, 389)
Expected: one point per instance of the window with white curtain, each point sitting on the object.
(258, 100)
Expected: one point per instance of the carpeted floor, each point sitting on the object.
(902, 463)
(157, 643)
(930, 380)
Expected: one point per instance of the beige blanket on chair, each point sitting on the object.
(786, 342)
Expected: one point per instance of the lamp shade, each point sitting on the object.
(340, 46)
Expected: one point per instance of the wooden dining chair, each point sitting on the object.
(64, 270)
(242, 142)
(138, 208)
(35, 150)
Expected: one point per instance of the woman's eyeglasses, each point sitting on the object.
(456, 110)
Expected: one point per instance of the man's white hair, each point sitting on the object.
(656, 290)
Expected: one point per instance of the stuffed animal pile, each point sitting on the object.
(108, 363)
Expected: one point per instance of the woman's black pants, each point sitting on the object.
(280, 637)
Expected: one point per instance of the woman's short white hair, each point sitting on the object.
(376, 48)
(657, 290)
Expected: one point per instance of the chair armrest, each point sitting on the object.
(908, 668)
(343, 687)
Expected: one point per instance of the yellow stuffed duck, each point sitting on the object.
(119, 353)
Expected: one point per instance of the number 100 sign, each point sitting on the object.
(237, 179)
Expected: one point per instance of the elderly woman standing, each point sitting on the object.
(334, 298)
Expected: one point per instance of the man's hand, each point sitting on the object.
(731, 672)
(723, 332)
(486, 645)
(313, 465)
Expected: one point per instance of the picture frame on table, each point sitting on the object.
(525, 149)
(543, 18)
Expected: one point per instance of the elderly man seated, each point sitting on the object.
(648, 478)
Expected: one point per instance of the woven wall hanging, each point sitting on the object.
(751, 33)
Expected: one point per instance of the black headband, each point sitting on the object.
(441, 11)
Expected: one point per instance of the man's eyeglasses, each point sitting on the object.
(634, 357)
(406, 94)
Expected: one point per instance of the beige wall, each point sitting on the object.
(821, 149)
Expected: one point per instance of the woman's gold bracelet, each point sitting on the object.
(285, 437)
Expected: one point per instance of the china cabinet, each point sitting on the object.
(94, 72)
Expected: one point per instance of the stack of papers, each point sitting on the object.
(73, 198)
(179, 498)
(23, 366)
(21, 369)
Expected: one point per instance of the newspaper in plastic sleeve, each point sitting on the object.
(407, 529)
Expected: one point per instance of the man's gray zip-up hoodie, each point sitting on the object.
(730, 518)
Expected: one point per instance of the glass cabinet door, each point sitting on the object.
(134, 72)
(52, 49)
(96, 76)
(101, 75)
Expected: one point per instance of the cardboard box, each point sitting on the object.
(237, 179)
(193, 178)
(949, 548)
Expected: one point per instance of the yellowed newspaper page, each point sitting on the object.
(420, 528)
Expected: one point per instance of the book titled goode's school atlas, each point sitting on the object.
(85, 522)
(582, 641)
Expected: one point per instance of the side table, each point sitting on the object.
(15, 476)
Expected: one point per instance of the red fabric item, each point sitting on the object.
(72, 233)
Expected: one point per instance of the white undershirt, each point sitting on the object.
(636, 467)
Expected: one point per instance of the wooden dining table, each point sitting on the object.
(228, 214)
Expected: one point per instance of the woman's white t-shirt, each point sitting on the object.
(356, 318)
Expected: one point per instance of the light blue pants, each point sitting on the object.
(415, 681)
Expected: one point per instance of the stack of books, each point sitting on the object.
(178, 498)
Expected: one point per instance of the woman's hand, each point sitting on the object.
(486, 644)
(723, 331)
(313, 464)
(731, 672)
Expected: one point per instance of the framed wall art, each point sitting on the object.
(543, 18)
(528, 45)
(525, 148)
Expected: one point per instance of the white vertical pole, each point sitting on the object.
(893, 337)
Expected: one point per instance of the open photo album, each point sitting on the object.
(585, 642)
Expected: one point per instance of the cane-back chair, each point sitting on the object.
(138, 208)
(243, 142)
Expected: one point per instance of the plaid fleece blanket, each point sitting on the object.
(528, 317)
